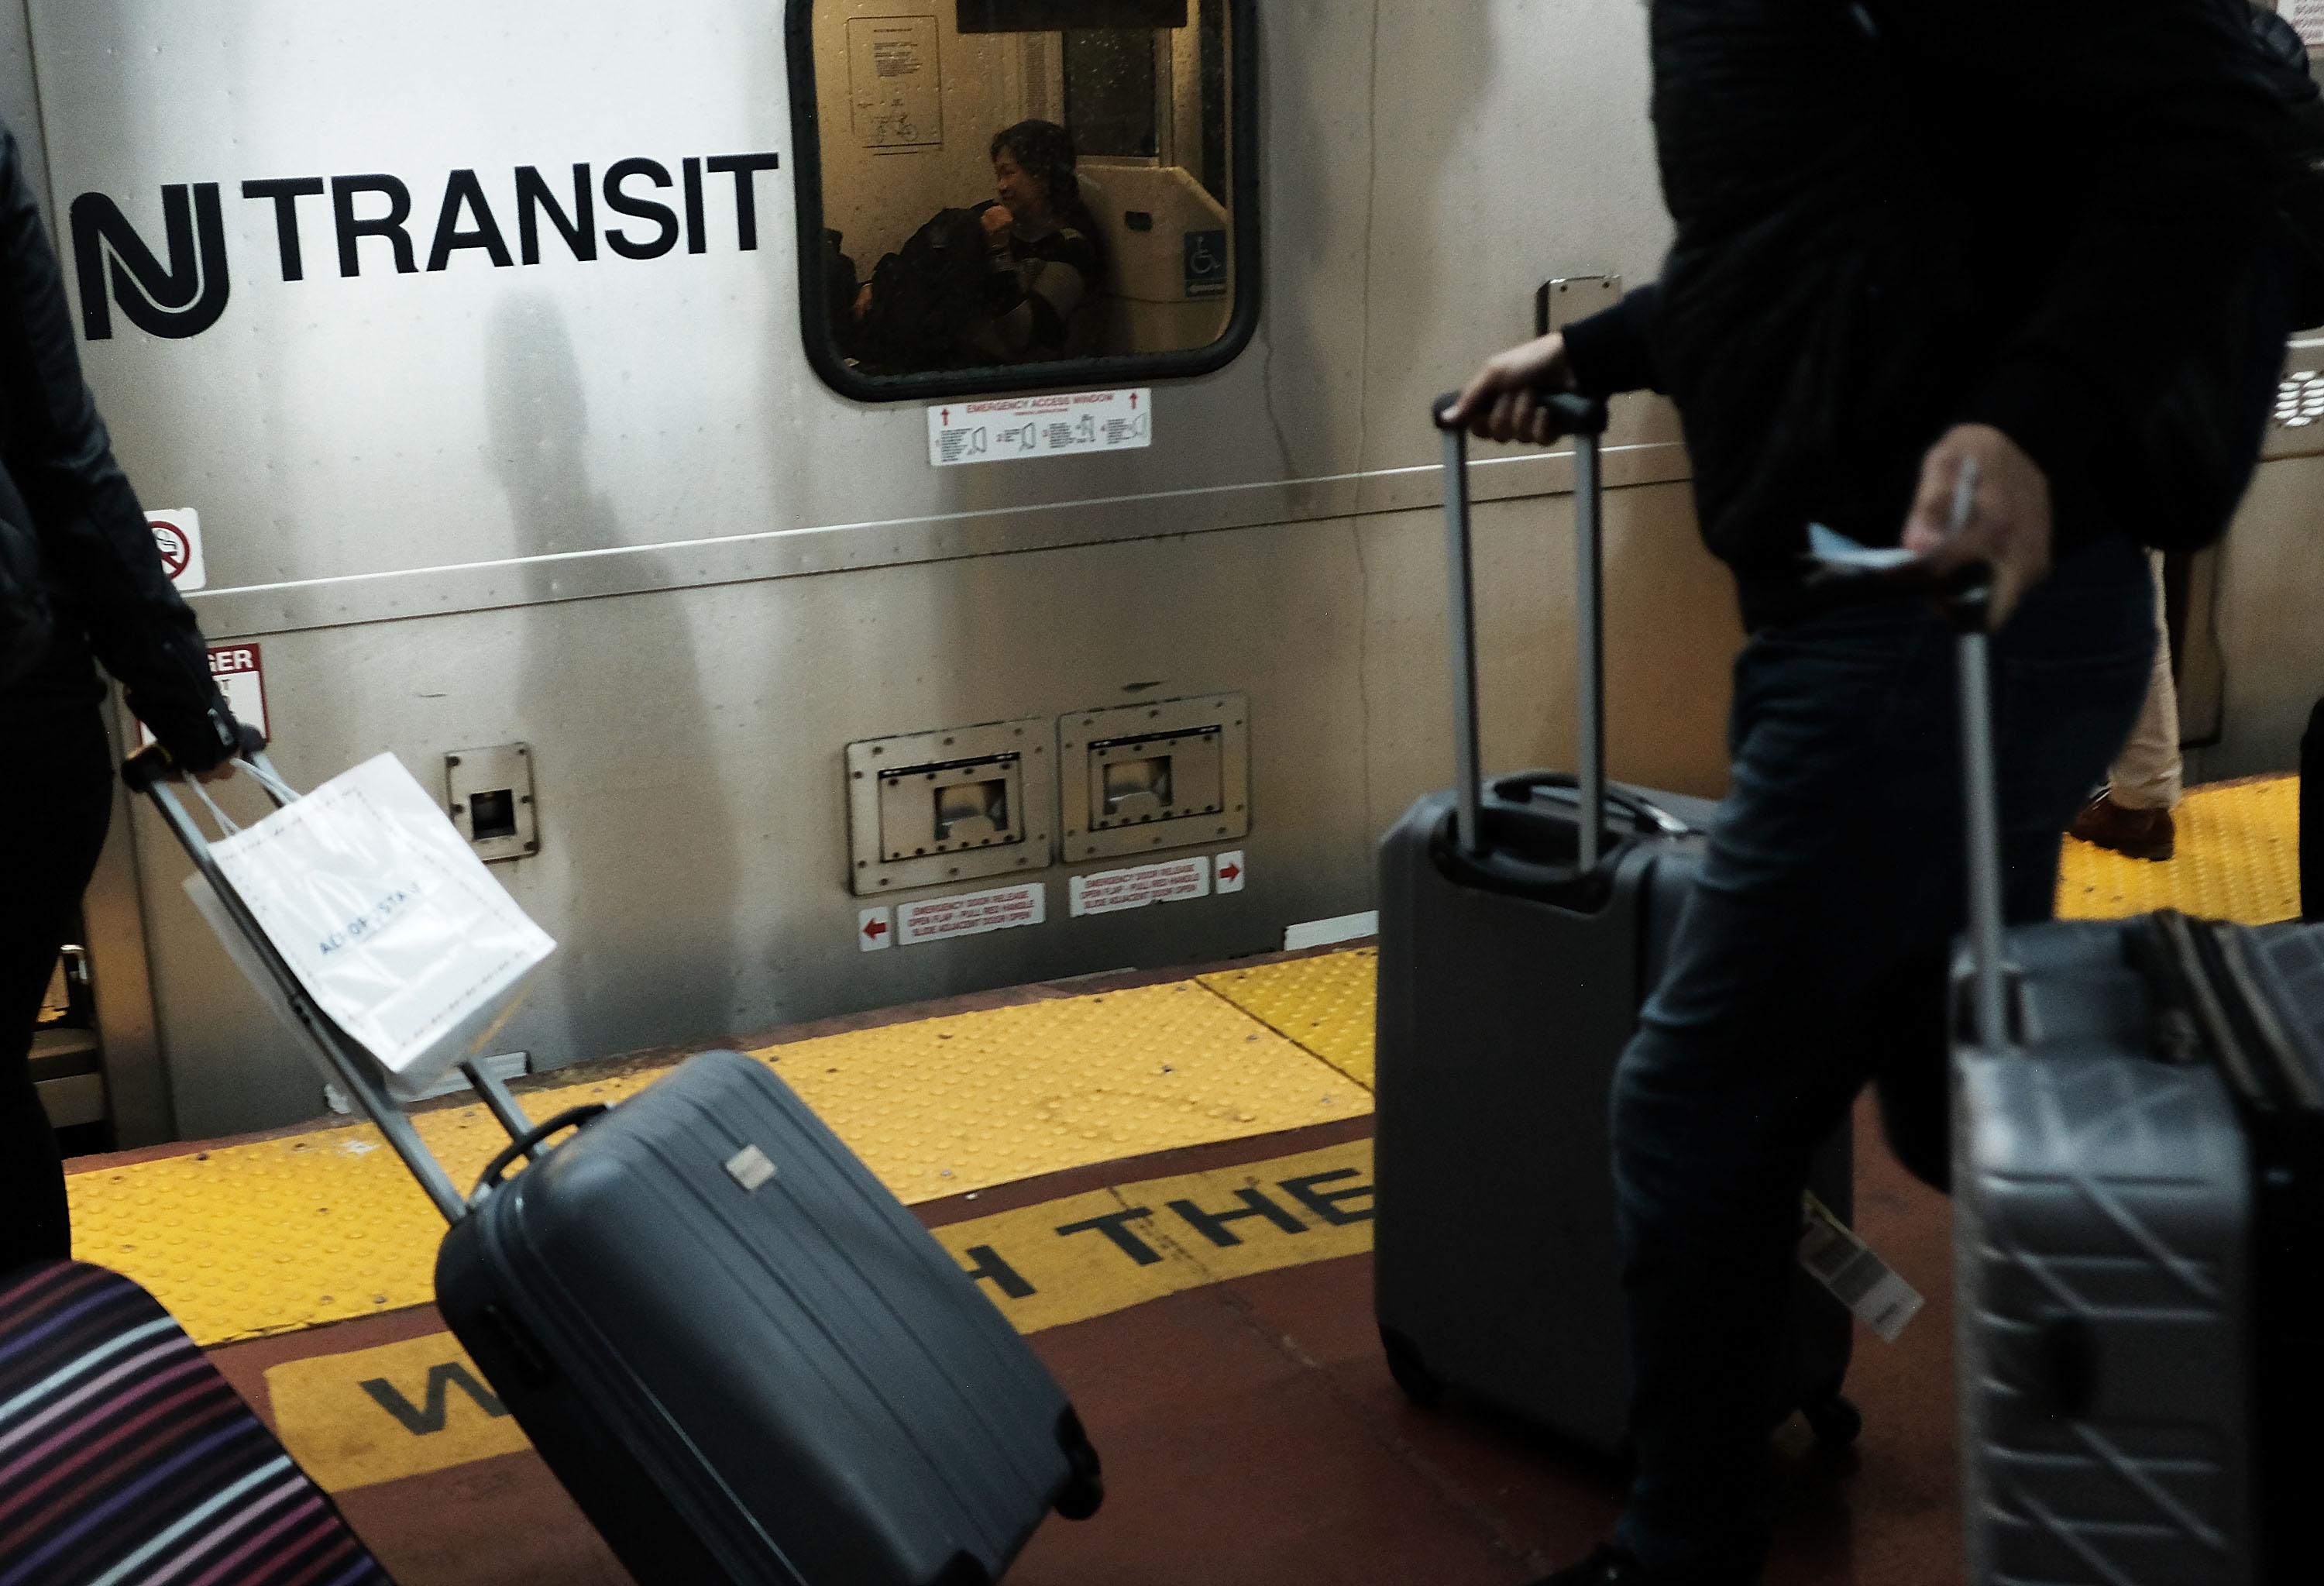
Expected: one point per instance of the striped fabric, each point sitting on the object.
(125, 1460)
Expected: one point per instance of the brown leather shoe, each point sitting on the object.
(2141, 833)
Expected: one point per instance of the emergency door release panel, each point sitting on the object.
(489, 792)
(930, 808)
(1142, 776)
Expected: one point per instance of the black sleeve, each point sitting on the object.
(91, 530)
(1613, 349)
(2165, 143)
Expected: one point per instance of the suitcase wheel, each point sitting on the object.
(1085, 1488)
(1835, 1421)
(1411, 1372)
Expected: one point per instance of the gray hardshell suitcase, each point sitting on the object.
(1517, 942)
(744, 1359)
(2137, 1235)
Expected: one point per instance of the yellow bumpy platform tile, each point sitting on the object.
(975, 1098)
(1324, 1003)
(240, 1241)
(2238, 859)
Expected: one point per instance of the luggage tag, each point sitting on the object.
(1854, 1272)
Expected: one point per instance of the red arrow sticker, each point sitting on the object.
(1229, 869)
(874, 931)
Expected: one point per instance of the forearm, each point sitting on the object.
(1613, 350)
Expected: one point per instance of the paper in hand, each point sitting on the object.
(1835, 556)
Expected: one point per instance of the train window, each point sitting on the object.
(995, 195)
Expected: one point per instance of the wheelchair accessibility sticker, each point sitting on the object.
(1206, 263)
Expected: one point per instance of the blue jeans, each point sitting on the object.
(1810, 958)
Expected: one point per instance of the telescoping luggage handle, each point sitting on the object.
(1585, 419)
(146, 773)
(1968, 605)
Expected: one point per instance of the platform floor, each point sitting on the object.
(1250, 1431)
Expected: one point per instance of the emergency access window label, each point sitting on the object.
(1110, 891)
(972, 914)
(1012, 428)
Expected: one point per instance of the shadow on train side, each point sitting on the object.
(629, 684)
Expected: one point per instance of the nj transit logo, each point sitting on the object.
(183, 291)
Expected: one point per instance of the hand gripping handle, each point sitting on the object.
(1574, 413)
(155, 764)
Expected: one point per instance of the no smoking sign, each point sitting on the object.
(178, 536)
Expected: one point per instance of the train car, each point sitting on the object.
(544, 392)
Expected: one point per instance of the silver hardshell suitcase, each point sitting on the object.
(2137, 1145)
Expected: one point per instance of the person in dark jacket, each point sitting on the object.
(83, 562)
(1006, 281)
(1911, 237)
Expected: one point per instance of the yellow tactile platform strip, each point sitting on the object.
(403, 1409)
(1325, 1004)
(2238, 858)
(243, 1240)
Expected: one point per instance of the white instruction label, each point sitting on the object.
(972, 914)
(1110, 891)
(2308, 16)
(1013, 427)
(178, 536)
(1858, 1277)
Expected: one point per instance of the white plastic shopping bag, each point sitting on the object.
(386, 916)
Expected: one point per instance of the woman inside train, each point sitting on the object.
(1006, 281)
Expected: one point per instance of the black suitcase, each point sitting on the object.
(2138, 1197)
(1518, 943)
(745, 1359)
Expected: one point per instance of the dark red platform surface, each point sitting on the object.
(1252, 1438)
